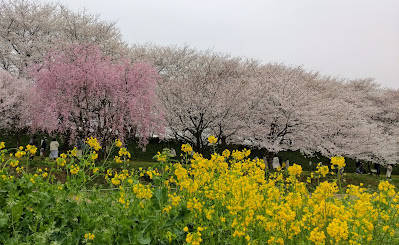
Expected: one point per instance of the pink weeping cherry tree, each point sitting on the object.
(81, 91)
(13, 97)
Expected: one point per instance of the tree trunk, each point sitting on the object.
(268, 158)
(67, 140)
(198, 146)
(223, 140)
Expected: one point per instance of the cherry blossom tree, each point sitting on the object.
(270, 106)
(282, 105)
(379, 113)
(80, 90)
(201, 92)
(13, 97)
(292, 109)
(29, 29)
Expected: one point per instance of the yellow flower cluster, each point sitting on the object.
(118, 143)
(116, 180)
(174, 199)
(317, 236)
(239, 155)
(20, 153)
(43, 173)
(194, 238)
(161, 157)
(94, 155)
(89, 236)
(74, 169)
(295, 170)
(142, 191)
(212, 139)
(226, 153)
(386, 187)
(31, 149)
(338, 230)
(6, 177)
(72, 152)
(167, 209)
(93, 143)
(339, 161)
(322, 170)
(60, 161)
(14, 163)
(117, 159)
(187, 148)
(2, 153)
(236, 193)
(273, 240)
(123, 152)
(152, 173)
(122, 200)
(232, 200)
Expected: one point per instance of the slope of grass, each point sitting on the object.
(145, 155)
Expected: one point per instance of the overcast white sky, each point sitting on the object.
(349, 39)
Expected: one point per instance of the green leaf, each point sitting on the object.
(3, 222)
(16, 212)
(161, 195)
(184, 212)
(144, 239)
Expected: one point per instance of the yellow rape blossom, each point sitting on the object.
(93, 143)
(339, 161)
(31, 149)
(20, 153)
(60, 161)
(117, 159)
(94, 155)
(295, 170)
(118, 143)
(89, 236)
(14, 163)
(74, 169)
(212, 139)
(323, 170)
(186, 148)
(316, 236)
(226, 153)
(123, 152)
(73, 152)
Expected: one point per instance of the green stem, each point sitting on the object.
(49, 175)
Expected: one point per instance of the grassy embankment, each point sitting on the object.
(144, 158)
